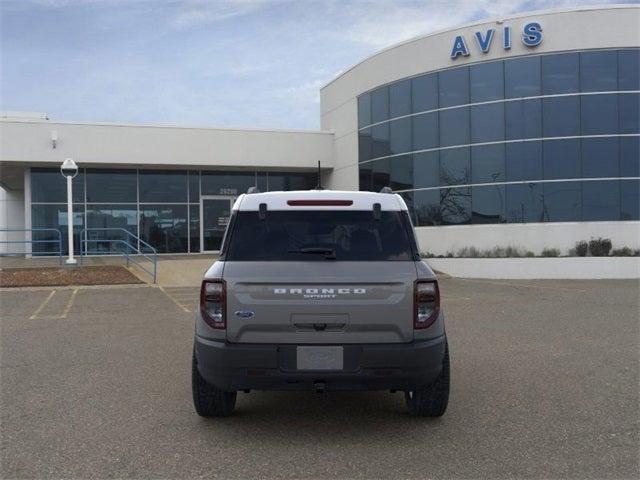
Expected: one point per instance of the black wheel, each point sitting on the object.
(432, 400)
(209, 400)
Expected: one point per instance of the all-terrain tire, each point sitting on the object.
(208, 400)
(431, 400)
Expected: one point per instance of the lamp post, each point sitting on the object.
(69, 169)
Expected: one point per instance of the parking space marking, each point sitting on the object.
(525, 285)
(174, 300)
(69, 303)
(42, 305)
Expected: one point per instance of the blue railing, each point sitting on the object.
(57, 241)
(131, 248)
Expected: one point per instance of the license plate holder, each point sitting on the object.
(320, 358)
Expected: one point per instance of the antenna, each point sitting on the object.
(319, 186)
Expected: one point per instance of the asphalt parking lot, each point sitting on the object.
(96, 384)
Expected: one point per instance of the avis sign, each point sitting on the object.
(531, 37)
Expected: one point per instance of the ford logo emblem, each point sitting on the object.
(244, 314)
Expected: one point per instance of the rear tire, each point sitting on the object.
(209, 400)
(431, 400)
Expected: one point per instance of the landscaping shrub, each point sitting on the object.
(624, 252)
(550, 252)
(581, 248)
(600, 247)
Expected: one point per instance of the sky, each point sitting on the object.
(218, 63)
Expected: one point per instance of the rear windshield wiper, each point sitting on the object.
(329, 253)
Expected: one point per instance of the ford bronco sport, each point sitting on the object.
(320, 290)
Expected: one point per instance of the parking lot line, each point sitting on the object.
(42, 305)
(69, 303)
(174, 300)
(525, 285)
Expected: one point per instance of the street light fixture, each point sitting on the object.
(69, 169)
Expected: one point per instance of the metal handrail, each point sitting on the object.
(137, 251)
(32, 241)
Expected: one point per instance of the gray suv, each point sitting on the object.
(324, 291)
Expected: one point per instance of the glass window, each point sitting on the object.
(426, 169)
(487, 164)
(366, 177)
(629, 113)
(364, 110)
(562, 202)
(522, 77)
(163, 186)
(194, 186)
(400, 98)
(560, 73)
(599, 114)
(348, 235)
(49, 186)
(561, 159)
(629, 69)
(381, 172)
(227, 183)
(400, 135)
(488, 205)
(600, 157)
(365, 145)
(454, 166)
(629, 156)
(455, 205)
(401, 177)
(424, 93)
(523, 119)
(380, 105)
(630, 200)
(292, 181)
(523, 161)
(165, 227)
(115, 218)
(194, 228)
(487, 81)
(55, 217)
(453, 87)
(454, 127)
(524, 203)
(426, 207)
(425, 131)
(487, 123)
(561, 116)
(600, 200)
(599, 71)
(380, 141)
(112, 186)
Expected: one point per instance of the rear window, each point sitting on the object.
(318, 235)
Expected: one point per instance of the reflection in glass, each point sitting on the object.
(455, 166)
(194, 228)
(600, 157)
(400, 98)
(487, 164)
(522, 77)
(365, 145)
(112, 186)
(380, 104)
(366, 177)
(455, 205)
(54, 216)
(523, 119)
(380, 140)
(364, 110)
(630, 200)
(426, 169)
(114, 218)
(561, 159)
(401, 176)
(523, 161)
(454, 127)
(629, 113)
(424, 92)
(600, 200)
(561, 116)
(488, 204)
(629, 69)
(561, 202)
(487, 81)
(165, 227)
(215, 218)
(291, 181)
(400, 135)
(599, 71)
(599, 114)
(487, 123)
(194, 186)
(426, 206)
(425, 131)
(630, 156)
(381, 174)
(227, 183)
(453, 87)
(163, 186)
(524, 203)
(49, 186)
(560, 73)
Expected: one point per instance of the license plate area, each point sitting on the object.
(319, 358)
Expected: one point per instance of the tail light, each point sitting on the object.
(213, 297)
(426, 303)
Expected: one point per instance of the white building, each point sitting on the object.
(520, 131)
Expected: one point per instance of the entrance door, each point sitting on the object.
(215, 212)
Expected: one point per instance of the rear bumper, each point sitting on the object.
(273, 367)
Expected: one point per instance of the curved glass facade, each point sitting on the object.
(541, 138)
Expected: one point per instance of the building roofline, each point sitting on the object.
(167, 126)
(416, 38)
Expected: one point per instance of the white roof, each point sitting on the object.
(279, 200)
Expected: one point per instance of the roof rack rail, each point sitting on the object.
(253, 189)
(386, 190)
